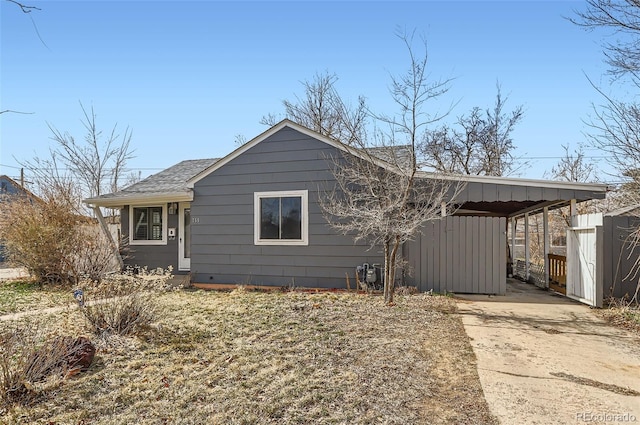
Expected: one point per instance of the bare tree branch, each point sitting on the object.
(24, 7)
(380, 196)
(84, 169)
(15, 112)
(27, 10)
(481, 146)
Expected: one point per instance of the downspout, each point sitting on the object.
(105, 229)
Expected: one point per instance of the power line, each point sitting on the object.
(70, 169)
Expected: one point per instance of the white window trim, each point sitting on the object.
(304, 217)
(164, 225)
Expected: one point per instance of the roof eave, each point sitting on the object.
(595, 187)
(140, 199)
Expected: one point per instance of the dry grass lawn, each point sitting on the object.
(258, 358)
(19, 296)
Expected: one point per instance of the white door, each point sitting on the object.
(184, 237)
(583, 265)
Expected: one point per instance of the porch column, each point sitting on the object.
(443, 209)
(545, 231)
(526, 247)
(514, 225)
(573, 211)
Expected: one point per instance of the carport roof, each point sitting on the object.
(513, 197)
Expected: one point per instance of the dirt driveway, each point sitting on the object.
(544, 359)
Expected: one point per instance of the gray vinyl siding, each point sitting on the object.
(222, 245)
(619, 256)
(459, 254)
(151, 256)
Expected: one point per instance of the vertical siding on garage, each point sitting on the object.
(619, 256)
(460, 254)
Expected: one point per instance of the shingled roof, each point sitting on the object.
(169, 184)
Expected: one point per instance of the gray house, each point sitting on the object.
(206, 218)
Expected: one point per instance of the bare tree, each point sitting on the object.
(481, 146)
(381, 196)
(322, 110)
(84, 169)
(574, 166)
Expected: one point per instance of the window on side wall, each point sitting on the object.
(281, 218)
(147, 225)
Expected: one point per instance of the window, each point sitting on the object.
(281, 218)
(147, 225)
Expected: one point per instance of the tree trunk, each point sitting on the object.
(390, 270)
(386, 271)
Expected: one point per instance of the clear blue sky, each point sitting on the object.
(187, 77)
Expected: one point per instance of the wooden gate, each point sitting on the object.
(460, 254)
(584, 259)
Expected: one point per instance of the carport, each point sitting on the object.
(467, 252)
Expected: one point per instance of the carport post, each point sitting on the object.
(514, 225)
(545, 231)
(573, 210)
(526, 247)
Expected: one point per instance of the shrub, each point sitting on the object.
(122, 304)
(53, 243)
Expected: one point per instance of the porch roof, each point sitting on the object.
(168, 185)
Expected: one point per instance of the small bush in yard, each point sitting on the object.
(30, 362)
(54, 243)
(122, 304)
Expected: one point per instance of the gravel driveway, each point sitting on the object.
(545, 359)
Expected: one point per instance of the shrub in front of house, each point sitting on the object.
(123, 303)
(54, 243)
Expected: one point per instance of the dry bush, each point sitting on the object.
(31, 362)
(122, 304)
(94, 256)
(40, 236)
(53, 243)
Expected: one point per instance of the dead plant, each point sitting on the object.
(122, 304)
(31, 362)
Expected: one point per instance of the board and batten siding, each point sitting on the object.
(222, 244)
(459, 254)
(620, 255)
